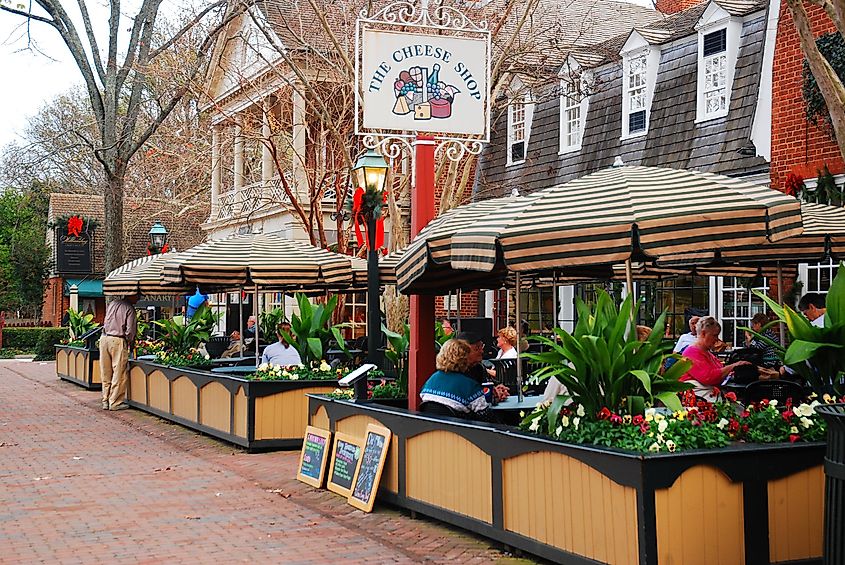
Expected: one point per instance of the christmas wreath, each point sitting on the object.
(74, 224)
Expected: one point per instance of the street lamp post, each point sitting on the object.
(158, 237)
(370, 172)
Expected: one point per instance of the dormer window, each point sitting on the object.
(636, 93)
(574, 102)
(516, 130)
(718, 47)
(715, 73)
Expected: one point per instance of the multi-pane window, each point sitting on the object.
(818, 276)
(636, 92)
(681, 298)
(516, 134)
(739, 305)
(715, 61)
(571, 116)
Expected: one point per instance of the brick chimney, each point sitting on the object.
(674, 6)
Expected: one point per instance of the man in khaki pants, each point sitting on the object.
(118, 337)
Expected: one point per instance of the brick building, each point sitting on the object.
(183, 232)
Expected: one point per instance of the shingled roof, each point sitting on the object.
(674, 139)
(138, 216)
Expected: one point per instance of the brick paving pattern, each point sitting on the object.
(83, 485)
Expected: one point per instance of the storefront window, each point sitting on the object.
(681, 298)
(739, 305)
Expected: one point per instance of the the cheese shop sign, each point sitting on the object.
(415, 82)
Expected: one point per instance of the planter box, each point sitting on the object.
(252, 414)
(744, 504)
(79, 365)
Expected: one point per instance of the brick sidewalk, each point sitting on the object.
(83, 485)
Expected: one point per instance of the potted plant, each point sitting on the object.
(312, 332)
(181, 342)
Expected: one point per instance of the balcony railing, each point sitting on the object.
(262, 196)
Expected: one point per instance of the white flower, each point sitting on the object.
(522, 413)
(670, 445)
(535, 424)
(804, 410)
(580, 412)
(564, 421)
(806, 422)
(650, 412)
(660, 438)
(575, 422)
(325, 366)
(654, 447)
(263, 367)
(661, 427)
(294, 377)
(559, 430)
(813, 405)
(722, 423)
(659, 417)
(793, 430)
(773, 402)
(285, 373)
(207, 356)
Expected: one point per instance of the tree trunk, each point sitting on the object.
(113, 228)
(829, 82)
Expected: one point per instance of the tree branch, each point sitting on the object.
(27, 15)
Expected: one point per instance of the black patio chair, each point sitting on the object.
(216, 346)
(775, 389)
(437, 409)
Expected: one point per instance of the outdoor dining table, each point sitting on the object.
(238, 370)
(231, 361)
(512, 403)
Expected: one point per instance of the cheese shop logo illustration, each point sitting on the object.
(419, 91)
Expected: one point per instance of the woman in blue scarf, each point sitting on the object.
(451, 386)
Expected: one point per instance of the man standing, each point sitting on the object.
(812, 305)
(118, 338)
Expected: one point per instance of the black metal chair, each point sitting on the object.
(775, 389)
(216, 346)
(437, 409)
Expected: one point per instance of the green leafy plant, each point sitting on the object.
(389, 390)
(397, 353)
(180, 338)
(832, 46)
(270, 320)
(79, 323)
(321, 371)
(312, 330)
(440, 336)
(190, 358)
(817, 354)
(603, 364)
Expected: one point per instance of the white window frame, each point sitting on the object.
(715, 19)
(636, 47)
(572, 99)
(810, 275)
(729, 286)
(520, 99)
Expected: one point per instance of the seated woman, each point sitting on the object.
(707, 370)
(451, 386)
(281, 352)
(769, 355)
(506, 341)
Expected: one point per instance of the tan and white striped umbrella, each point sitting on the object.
(142, 276)
(269, 260)
(608, 217)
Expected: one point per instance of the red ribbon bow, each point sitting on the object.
(74, 226)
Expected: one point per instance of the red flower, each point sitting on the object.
(789, 402)
(74, 226)
(644, 427)
(604, 413)
(716, 391)
(733, 426)
(745, 428)
(745, 414)
(793, 438)
(788, 414)
(637, 420)
(615, 419)
(730, 396)
(764, 402)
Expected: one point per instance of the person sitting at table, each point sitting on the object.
(506, 341)
(235, 347)
(707, 371)
(281, 353)
(686, 339)
(477, 371)
(450, 385)
(813, 306)
(250, 330)
(768, 353)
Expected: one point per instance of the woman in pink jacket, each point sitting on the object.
(707, 370)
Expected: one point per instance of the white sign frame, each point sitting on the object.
(446, 21)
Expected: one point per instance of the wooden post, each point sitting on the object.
(421, 354)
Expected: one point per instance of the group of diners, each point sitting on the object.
(757, 361)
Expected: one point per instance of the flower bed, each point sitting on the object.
(251, 413)
(191, 359)
(317, 372)
(78, 365)
(578, 504)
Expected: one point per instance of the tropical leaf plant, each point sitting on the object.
(397, 353)
(311, 330)
(270, 320)
(603, 364)
(79, 323)
(816, 354)
(179, 338)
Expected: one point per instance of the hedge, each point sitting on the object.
(39, 340)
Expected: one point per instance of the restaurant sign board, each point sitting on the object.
(416, 82)
(73, 253)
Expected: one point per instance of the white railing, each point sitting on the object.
(262, 195)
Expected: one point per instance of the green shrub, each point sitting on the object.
(45, 349)
(29, 338)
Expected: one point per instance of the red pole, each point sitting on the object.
(421, 354)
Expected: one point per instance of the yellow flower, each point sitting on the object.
(827, 399)
(661, 427)
(671, 446)
(681, 414)
(626, 419)
(654, 447)
(793, 430)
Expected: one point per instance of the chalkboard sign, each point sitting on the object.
(345, 460)
(366, 481)
(312, 460)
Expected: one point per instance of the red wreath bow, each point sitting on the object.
(359, 216)
(74, 226)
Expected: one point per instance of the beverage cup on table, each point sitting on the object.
(487, 388)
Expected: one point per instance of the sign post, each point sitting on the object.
(422, 86)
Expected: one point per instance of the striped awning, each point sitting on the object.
(598, 221)
(142, 276)
(269, 260)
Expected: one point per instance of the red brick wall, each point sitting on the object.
(797, 145)
(55, 302)
(673, 6)
(469, 306)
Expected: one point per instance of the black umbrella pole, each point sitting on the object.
(373, 309)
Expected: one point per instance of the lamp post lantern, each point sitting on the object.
(158, 237)
(370, 172)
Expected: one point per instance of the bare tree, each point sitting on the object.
(121, 90)
(830, 84)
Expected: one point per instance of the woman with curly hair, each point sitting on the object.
(450, 385)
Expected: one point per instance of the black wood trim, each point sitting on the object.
(497, 492)
(755, 508)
